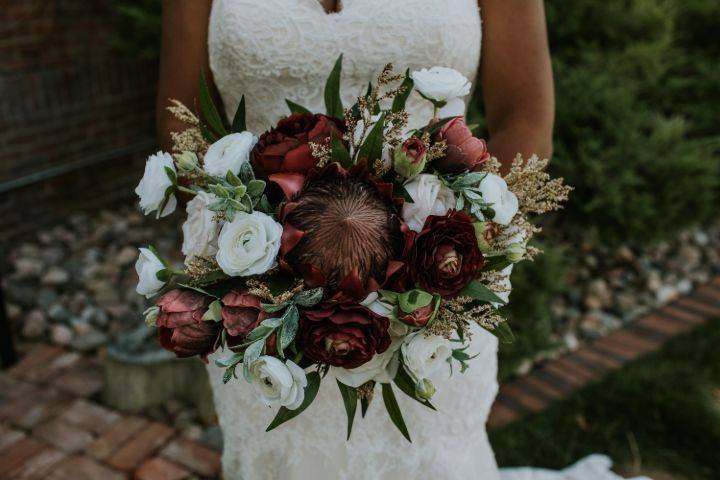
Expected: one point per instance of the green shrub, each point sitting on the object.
(137, 28)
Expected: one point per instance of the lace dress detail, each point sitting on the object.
(272, 50)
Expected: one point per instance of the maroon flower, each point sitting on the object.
(464, 152)
(286, 148)
(343, 335)
(180, 325)
(445, 256)
(241, 313)
(418, 318)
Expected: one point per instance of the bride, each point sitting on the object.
(271, 50)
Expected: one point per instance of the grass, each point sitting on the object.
(658, 414)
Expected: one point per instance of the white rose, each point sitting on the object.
(424, 355)
(278, 384)
(200, 230)
(430, 197)
(494, 190)
(154, 184)
(441, 83)
(229, 153)
(249, 244)
(147, 267)
(382, 368)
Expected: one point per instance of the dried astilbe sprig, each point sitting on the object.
(521, 228)
(321, 152)
(262, 290)
(183, 113)
(190, 139)
(436, 150)
(537, 192)
(200, 270)
(366, 391)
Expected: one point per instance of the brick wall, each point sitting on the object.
(76, 119)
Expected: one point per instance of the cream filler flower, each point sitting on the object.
(429, 197)
(278, 384)
(249, 244)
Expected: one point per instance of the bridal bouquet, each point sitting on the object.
(341, 245)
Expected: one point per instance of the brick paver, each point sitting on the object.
(143, 445)
(562, 376)
(161, 469)
(195, 457)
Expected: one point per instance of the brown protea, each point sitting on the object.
(350, 232)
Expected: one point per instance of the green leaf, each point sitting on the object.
(229, 374)
(350, 398)
(171, 175)
(364, 405)
(238, 124)
(214, 312)
(208, 109)
(251, 354)
(434, 128)
(255, 188)
(246, 173)
(272, 322)
(309, 298)
(414, 299)
(295, 108)
(407, 385)
(261, 332)
(400, 99)
(393, 410)
(290, 322)
(333, 102)
(284, 414)
(339, 153)
(207, 134)
(480, 292)
(372, 148)
(404, 194)
(503, 332)
(496, 263)
(163, 275)
(270, 308)
(229, 361)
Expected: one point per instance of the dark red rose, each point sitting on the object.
(418, 318)
(464, 152)
(445, 256)
(343, 335)
(286, 148)
(241, 313)
(180, 325)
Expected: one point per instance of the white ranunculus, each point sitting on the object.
(424, 355)
(147, 267)
(154, 184)
(249, 244)
(494, 190)
(382, 368)
(200, 230)
(278, 384)
(430, 197)
(441, 83)
(229, 153)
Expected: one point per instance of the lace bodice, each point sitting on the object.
(271, 50)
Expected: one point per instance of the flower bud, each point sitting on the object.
(424, 389)
(151, 315)
(409, 158)
(187, 161)
(515, 252)
(485, 232)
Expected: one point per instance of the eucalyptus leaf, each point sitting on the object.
(229, 361)
(393, 410)
(214, 312)
(255, 188)
(246, 173)
(291, 322)
(309, 298)
(252, 353)
(311, 390)
(272, 322)
(333, 102)
(272, 308)
(350, 398)
(233, 179)
(260, 333)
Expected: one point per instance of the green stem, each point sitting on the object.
(186, 190)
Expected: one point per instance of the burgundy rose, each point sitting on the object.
(343, 335)
(418, 318)
(241, 313)
(464, 152)
(180, 325)
(286, 148)
(445, 256)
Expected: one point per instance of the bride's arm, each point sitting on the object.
(516, 76)
(184, 53)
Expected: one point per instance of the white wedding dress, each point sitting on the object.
(272, 50)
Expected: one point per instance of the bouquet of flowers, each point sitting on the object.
(341, 245)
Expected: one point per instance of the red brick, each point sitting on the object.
(710, 291)
(38, 356)
(576, 369)
(194, 456)
(513, 393)
(39, 465)
(141, 446)
(501, 415)
(83, 468)
(610, 345)
(638, 344)
(597, 358)
(14, 388)
(662, 324)
(9, 436)
(114, 437)
(160, 469)
(64, 436)
(29, 412)
(89, 416)
(543, 386)
(52, 368)
(674, 310)
(17, 454)
(565, 374)
(84, 381)
(705, 308)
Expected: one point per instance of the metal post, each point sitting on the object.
(7, 350)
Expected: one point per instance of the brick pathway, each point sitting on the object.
(560, 377)
(50, 429)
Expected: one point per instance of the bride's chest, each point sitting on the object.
(297, 37)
